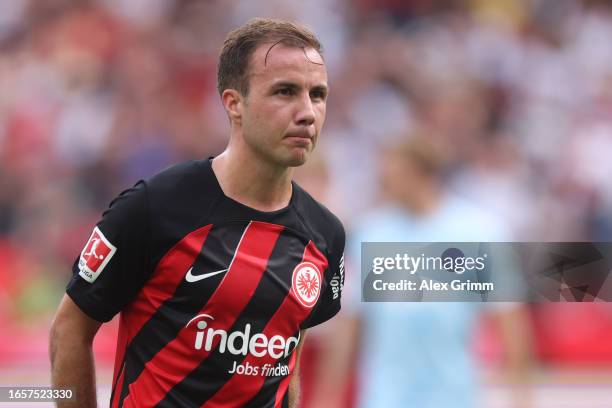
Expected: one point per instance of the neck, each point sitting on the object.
(252, 181)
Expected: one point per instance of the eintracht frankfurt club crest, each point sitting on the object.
(306, 283)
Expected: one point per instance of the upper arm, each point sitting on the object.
(114, 263)
(298, 349)
(72, 321)
(294, 385)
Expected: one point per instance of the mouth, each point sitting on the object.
(300, 135)
(300, 140)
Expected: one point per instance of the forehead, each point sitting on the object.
(282, 62)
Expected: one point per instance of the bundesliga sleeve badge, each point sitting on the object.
(306, 283)
(97, 253)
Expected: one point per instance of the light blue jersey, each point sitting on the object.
(419, 354)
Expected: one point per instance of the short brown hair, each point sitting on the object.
(233, 72)
(429, 157)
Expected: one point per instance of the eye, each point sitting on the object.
(285, 92)
(318, 94)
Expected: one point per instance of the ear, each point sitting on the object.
(233, 103)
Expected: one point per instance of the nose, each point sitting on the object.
(306, 114)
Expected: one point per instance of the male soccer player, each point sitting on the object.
(217, 266)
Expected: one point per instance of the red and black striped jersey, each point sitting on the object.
(212, 294)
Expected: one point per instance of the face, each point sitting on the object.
(405, 181)
(284, 111)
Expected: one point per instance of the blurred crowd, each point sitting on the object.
(97, 94)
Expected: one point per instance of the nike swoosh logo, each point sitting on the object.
(194, 278)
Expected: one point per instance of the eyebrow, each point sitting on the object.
(285, 84)
(293, 85)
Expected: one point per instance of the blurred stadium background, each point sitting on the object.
(96, 94)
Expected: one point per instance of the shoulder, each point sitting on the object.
(191, 184)
(384, 223)
(186, 175)
(182, 195)
(474, 222)
(172, 182)
(318, 217)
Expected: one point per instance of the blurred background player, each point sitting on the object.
(420, 354)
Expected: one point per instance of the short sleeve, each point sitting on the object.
(113, 265)
(329, 301)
